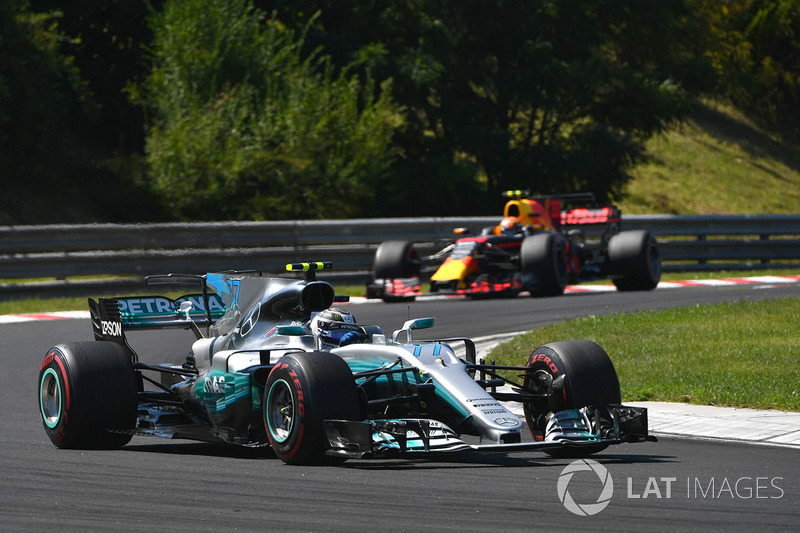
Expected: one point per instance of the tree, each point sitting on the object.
(107, 41)
(553, 96)
(757, 56)
(61, 159)
(244, 126)
(40, 90)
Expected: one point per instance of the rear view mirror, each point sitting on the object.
(417, 323)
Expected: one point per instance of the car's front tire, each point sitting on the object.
(589, 380)
(302, 391)
(87, 390)
(396, 260)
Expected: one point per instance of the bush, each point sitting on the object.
(242, 126)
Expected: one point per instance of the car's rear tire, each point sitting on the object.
(590, 380)
(86, 391)
(634, 261)
(396, 259)
(302, 391)
(543, 264)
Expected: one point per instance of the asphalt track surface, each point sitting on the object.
(674, 484)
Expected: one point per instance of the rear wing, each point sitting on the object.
(232, 288)
(579, 216)
(110, 316)
(554, 205)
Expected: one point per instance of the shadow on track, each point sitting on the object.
(472, 460)
(207, 449)
(460, 460)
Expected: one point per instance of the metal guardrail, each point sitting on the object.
(131, 251)
(723, 242)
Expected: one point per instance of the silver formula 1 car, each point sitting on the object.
(278, 366)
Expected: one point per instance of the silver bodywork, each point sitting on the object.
(438, 363)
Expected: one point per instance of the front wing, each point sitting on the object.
(398, 289)
(397, 437)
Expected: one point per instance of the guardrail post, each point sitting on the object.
(701, 238)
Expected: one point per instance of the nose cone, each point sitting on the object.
(455, 269)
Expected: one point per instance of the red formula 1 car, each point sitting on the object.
(538, 247)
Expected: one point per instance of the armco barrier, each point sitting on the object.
(723, 242)
(127, 252)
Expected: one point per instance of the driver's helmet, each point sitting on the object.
(336, 327)
(510, 226)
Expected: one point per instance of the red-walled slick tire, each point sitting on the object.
(87, 395)
(302, 391)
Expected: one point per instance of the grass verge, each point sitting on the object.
(743, 354)
(714, 163)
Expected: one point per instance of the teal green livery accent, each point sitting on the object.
(227, 397)
(292, 330)
(390, 385)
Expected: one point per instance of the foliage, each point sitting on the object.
(416, 101)
(244, 127)
(553, 96)
(757, 56)
(58, 162)
(39, 89)
(107, 47)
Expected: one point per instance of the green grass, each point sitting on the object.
(744, 354)
(716, 162)
(722, 274)
(39, 305)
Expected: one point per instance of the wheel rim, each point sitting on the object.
(536, 409)
(50, 398)
(280, 411)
